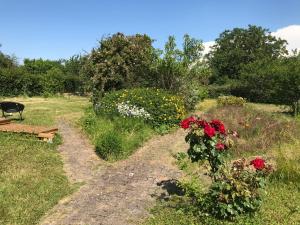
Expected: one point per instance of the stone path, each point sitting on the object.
(114, 193)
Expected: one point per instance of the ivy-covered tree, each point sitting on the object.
(239, 47)
(121, 61)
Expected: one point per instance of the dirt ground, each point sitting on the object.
(114, 193)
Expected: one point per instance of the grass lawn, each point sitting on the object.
(44, 111)
(275, 137)
(32, 179)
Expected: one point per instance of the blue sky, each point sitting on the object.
(61, 28)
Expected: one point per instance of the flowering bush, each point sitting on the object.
(163, 107)
(208, 141)
(127, 110)
(236, 190)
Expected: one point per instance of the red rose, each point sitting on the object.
(218, 125)
(185, 124)
(202, 123)
(220, 146)
(209, 131)
(258, 163)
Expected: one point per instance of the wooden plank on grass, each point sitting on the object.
(4, 121)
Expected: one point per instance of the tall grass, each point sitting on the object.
(258, 130)
(117, 137)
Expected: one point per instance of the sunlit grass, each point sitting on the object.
(32, 179)
(44, 111)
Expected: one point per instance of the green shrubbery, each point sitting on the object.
(193, 94)
(215, 91)
(272, 81)
(115, 137)
(231, 100)
(124, 119)
(17, 81)
(40, 77)
(163, 107)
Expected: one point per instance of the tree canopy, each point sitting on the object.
(121, 61)
(239, 47)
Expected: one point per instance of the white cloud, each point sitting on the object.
(291, 34)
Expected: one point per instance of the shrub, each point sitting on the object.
(231, 100)
(208, 141)
(193, 94)
(163, 107)
(110, 145)
(236, 190)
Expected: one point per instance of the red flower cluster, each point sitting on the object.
(185, 124)
(218, 125)
(210, 129)
(258, 163)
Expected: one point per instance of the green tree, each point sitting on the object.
(183, 70)
(74, 64)
(238, 47)
(121, 61)
(177, 66)
(7, 61)
(41, 66)
(272, 81)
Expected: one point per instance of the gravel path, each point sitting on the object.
(114, 193)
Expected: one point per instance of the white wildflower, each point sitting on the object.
(128, 110)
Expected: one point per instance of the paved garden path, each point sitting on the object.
(114, 193)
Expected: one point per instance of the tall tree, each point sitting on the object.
(121, 61)
(238, 47)
(177, 65)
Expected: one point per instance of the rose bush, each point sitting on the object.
(208, 141)
(235, 187)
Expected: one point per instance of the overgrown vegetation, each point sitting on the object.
(163, 108)
(231, 100)
(251, 63)
(279, 202)
(124, 119)
(258, 131)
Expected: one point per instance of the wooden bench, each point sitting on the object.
(12, 107)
